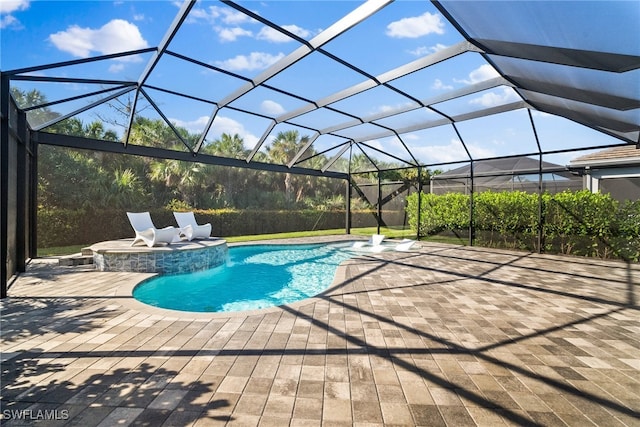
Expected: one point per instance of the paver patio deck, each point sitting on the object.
(441, 335)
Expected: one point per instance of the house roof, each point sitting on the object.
(627, 155)
(504, 169)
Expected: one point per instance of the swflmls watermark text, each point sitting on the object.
(35, 414)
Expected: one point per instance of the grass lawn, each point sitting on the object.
(389, 232)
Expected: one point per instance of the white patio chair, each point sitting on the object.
(190, 228)
(147, 232)
(375, 240)
(404, 245)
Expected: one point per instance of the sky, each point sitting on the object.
(42, 32)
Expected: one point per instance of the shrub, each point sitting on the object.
(573, 222)
(438, 213)
(580, 222)
(628, 222)
(511, 217)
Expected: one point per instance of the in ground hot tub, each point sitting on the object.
(179, 257)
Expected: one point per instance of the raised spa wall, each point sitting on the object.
(182, 257)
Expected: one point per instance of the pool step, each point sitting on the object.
(76, 259)
(87, 252)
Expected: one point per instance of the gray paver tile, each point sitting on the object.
(444, 336)
(427, 415)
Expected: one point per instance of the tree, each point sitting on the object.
(227, 146)
(234, 179)
(68, 179)
(183, 179)
(25, 99)
(361, 165)
(156, 133)
(283, 149)
(123, 190)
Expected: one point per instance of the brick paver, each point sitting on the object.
(439, 336)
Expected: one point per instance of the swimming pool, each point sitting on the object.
(254, 277)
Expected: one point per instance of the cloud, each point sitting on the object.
(438, 85)
(480, 74)
(7, 7)
(116, 68)
(8, 21)
(197, 14)
(427, 50)
(220, 125)
(417, 26)
(230, 16)
(271, 35)
(492, 99)
(193, 126)
(223, 124)
(217, 14)
(391, 146)
(452, 152)
(375, 143)
(481, 153)
(225, 21)
(10, 6)
(385, 108)
(271, 108)
(231, 34)
(115, 36)
(255, 61)
(231, 25)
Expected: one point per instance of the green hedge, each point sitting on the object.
(438, 213)
(579, 223)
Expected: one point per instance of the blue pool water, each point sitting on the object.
(254, 277)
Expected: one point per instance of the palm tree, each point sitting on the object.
(155, 133)
(31, 98)
(231, 146)
(227, 146)
(182, 179)
(283, 149)
(26, 99)
(123, 190)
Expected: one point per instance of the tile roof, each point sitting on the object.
(626, 154)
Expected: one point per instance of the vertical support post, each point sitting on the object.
(419, 202)
(349, 189)
(33, 198)
(4, 185)
(379, 201)
(22, 171)
(472, 226)
(348, 213)
(540, 201)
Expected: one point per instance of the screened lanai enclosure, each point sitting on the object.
(279, 116)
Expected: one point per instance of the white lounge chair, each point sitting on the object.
(404, 245)
(147, 232)
(190, 228)
(375, 240)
